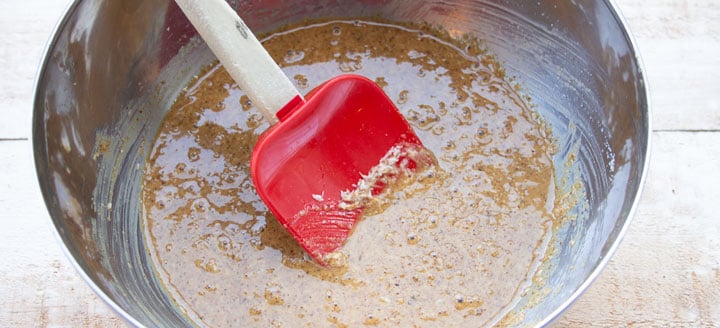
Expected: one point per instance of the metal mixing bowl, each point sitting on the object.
(113, 68)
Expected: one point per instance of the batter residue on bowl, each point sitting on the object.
(457, 244)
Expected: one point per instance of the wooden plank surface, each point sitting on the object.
(665, 273)
(679, 42)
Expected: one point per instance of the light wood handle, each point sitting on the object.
(242, 55)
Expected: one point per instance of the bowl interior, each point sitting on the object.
(113, 69)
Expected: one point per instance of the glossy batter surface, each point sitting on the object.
(456, 244)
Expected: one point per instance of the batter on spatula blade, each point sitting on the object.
(333, 135)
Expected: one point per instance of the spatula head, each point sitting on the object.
(301, 165)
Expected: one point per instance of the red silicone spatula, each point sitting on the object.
(320, 146)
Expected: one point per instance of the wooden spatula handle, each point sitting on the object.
(242, 55)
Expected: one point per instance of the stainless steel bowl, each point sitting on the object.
(113, 68)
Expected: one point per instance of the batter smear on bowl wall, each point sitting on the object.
(457, 242)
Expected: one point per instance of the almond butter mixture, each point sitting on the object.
(455, 245)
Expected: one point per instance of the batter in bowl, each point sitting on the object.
(456, 244)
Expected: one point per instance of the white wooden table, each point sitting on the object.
(665, 273)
